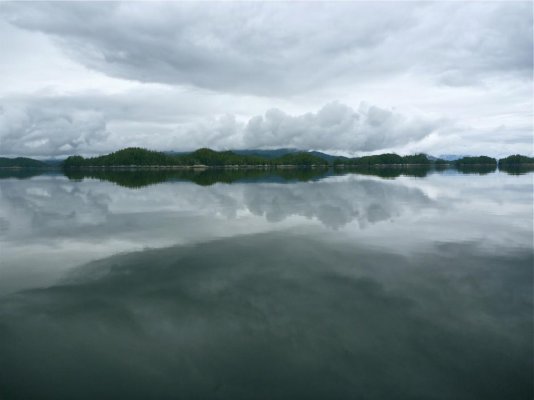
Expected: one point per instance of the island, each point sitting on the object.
(386, 165)
(201, 158)
(516, 164)
(383, 159)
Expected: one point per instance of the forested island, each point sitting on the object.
(416, 159)
(205, 157)
(135, 157)
(516, 160)
(516, 164)
(382, 159)
(200, 158)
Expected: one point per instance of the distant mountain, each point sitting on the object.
(54, 162)
(21, 162)
(177, 153)
(382, 159)
(327, 157)
(273, 153)
(270, 154)
(450, 157)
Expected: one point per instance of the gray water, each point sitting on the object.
(327, 286)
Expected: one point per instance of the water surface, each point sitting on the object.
(271, 285)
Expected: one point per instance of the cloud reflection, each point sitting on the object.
(273, 315)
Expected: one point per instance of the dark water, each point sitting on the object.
(250, 284)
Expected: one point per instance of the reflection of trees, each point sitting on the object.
(137, 178)
(517, 169)
(476, 169)
(206, 177)
(21, 173)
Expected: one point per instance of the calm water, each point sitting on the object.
(244, 285)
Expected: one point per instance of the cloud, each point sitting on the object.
(95, 123)
(280, 49)
(34, 129)
(338, 127)
(63, 125)
(95, 77)
(276, 313)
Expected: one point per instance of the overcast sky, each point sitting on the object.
(346, 78)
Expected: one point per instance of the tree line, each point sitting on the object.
(142, 157)
(135, 156)
(383, 159)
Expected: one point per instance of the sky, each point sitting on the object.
(348, 78)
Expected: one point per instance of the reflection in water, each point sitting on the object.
(61, 223)
(25, 173)
(140, 178)
(57, 208)
(418, 171)
(336, 204)
(277, 286)
(136, 178)
(206, 177)
(476, 169)
(519, 169)
(276, 316)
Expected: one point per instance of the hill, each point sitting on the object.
(21, 162)
(135, 156)
(479, 160)
(383, 159)
(516, 159)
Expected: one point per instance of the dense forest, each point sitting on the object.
(139, 157)
(516, 164)
(516, 159)
(383, 159)
(480, 160)
(202, 157)
(204, 177)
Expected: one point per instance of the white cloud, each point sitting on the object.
(65, 125)
(337, 127)
(28, 129)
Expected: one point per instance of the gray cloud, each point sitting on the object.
(337, 126)
(30, 129)
(95, 77)
(62, 125)
(272, 49)
(271, 313)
